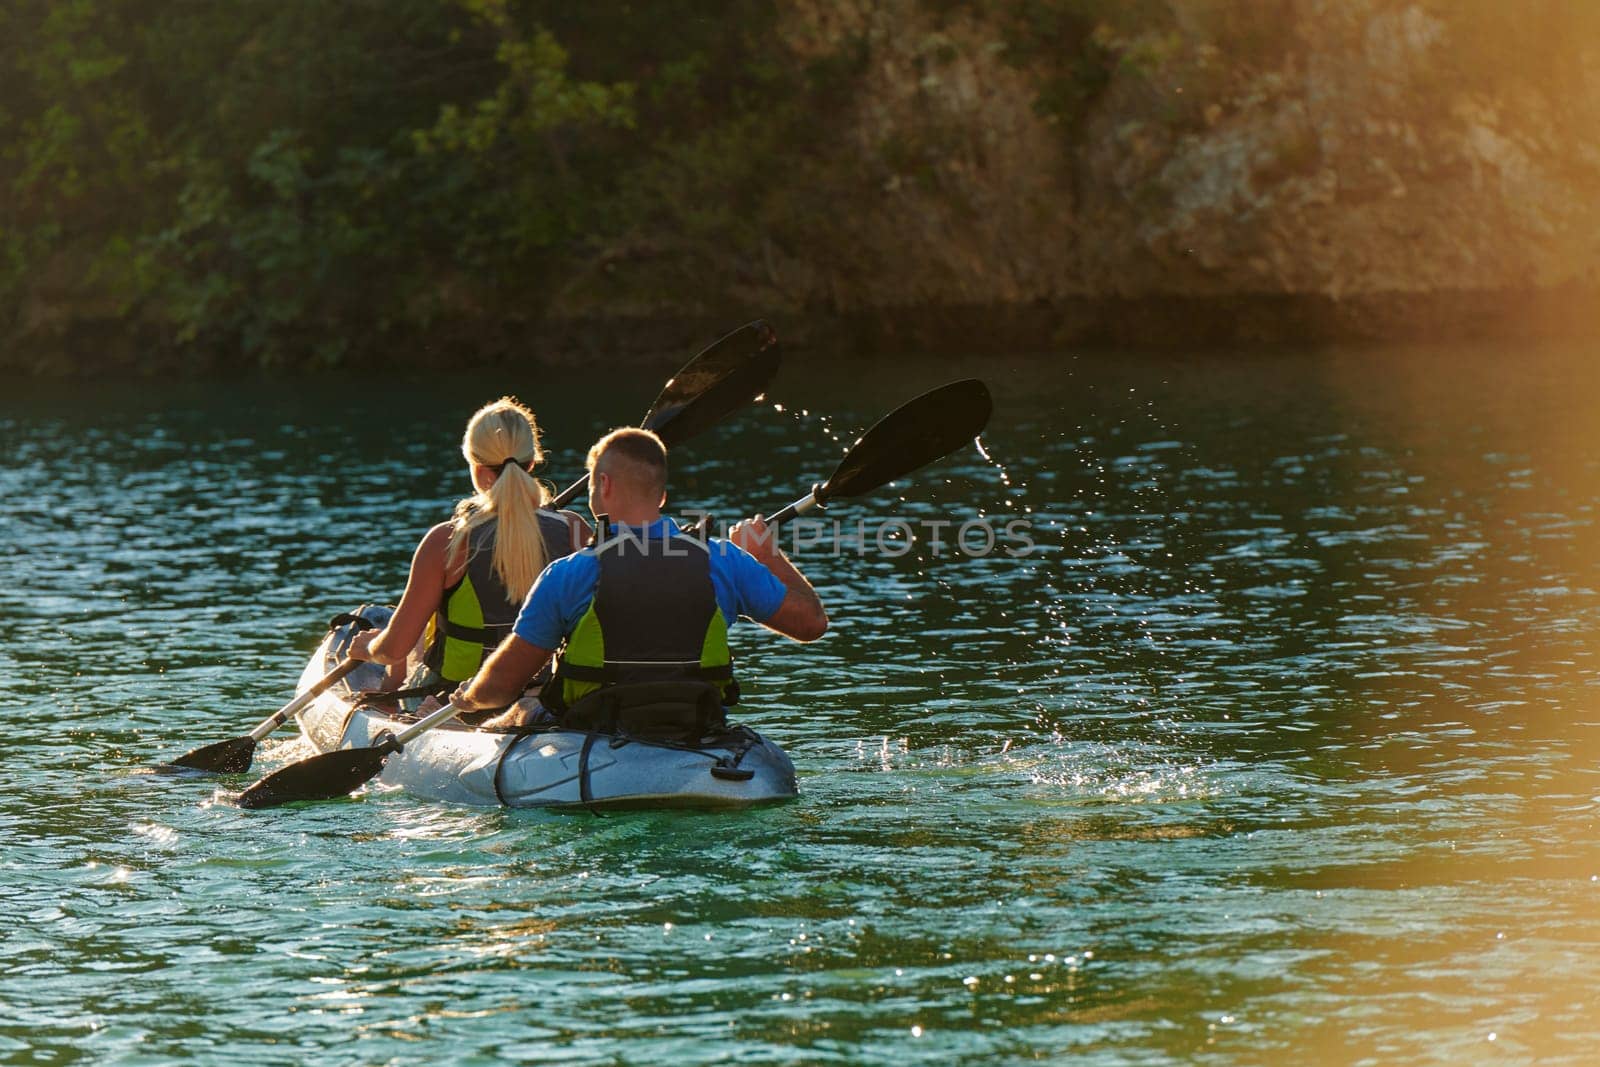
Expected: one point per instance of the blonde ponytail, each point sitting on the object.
(497, 433)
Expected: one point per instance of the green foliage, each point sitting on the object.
(256, 181)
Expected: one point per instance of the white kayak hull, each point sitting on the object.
(549, 768)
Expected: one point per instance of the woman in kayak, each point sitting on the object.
(469, 575)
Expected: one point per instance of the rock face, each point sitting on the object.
(1337, 150)
(967, 190)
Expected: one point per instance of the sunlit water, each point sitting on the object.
(1280, 746)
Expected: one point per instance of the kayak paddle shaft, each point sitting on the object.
(235, 755)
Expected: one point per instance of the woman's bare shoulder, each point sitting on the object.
(435, 542)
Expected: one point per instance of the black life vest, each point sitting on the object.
(654, 618)
(477, 612)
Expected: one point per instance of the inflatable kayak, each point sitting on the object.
(548, 767)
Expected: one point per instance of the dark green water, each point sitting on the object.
(1281, 746)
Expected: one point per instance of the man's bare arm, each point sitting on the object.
(503, 676)
(801, 615)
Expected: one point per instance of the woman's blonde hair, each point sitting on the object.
(498, 432)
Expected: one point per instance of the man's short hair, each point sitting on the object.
(635, 457)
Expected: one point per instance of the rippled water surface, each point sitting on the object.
(1279, 746)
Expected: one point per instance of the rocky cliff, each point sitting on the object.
(1385, 165)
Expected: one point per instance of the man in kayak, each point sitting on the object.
(646, 602)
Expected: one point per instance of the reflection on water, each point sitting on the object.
(1283, 737)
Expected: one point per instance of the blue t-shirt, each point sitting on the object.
(743, 586)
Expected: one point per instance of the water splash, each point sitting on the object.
(805, 417)
(1000, 468)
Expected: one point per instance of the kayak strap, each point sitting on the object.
(585, 791)
(387, 701)
(351, 618)
(727, 767)
(737, 741)
(382, 698)
(432, 689)
(542, 723)
(352, 623)
(500, 767)
(682, 711)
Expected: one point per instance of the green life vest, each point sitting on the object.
(477, 612)
(654, 618)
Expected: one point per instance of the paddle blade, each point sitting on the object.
(225, 757)
(725, 376)
(719, 399)
(321, 777)
(913, 435)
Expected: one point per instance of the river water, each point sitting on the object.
(1279, 743)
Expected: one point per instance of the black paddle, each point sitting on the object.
(335, 774)
(724, 377)
(234, 755)
(911, 436)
